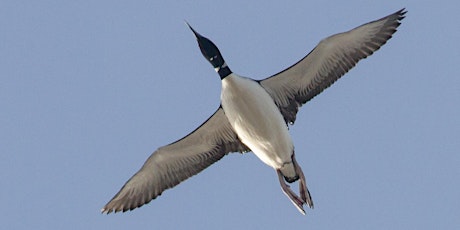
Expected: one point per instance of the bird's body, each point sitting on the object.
(254, 116)
(257, 120)
(259, 124)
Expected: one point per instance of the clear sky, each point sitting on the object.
(88, 89)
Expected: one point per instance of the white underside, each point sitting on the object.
(257, 121)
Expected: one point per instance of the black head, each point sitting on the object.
(212, 54)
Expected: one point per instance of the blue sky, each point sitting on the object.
(89, 89)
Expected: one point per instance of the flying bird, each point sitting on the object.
(254, 115)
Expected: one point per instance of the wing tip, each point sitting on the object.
(107, 210)
(401, 13)
(116, 205)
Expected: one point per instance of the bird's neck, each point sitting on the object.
(224, 72)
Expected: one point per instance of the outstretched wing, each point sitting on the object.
(327, 62)
(174, 163)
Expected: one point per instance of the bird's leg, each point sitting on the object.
(304, 193)
(298, 202)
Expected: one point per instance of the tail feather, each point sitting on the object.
(289, 172)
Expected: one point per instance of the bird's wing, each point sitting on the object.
(173, 163)
(327, 62)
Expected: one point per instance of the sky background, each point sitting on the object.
(89, 89)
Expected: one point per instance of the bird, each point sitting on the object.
(254, 116)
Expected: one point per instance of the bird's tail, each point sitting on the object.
(289, 172)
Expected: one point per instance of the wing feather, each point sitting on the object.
(174, 163)
(327, 62)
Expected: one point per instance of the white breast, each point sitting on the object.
(257, 120)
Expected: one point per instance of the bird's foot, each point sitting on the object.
(296, 200)
(303, 190)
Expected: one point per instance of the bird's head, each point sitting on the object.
(211, 53)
